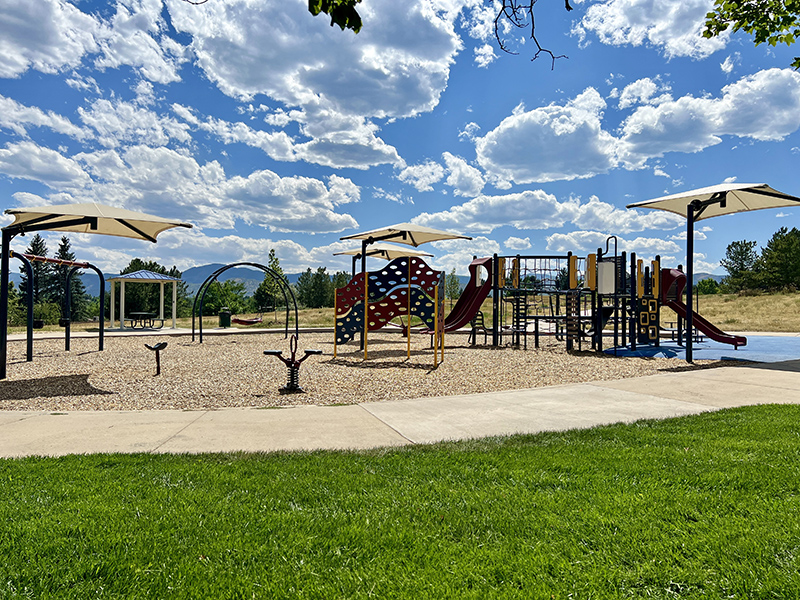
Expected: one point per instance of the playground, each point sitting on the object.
(577, 318)
(231, 371)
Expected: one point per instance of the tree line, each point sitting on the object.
(313, 289)
(775, 268)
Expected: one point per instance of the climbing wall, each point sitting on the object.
(388, 297)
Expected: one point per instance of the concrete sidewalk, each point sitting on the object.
(401, 422)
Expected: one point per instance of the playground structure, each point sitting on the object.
(283, 285)
(406, 286)
(607, 294)
(65, 321)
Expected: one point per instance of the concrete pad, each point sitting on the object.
(85, 432)
(296, 428)
(522, 411)
(12, 416)
(722, 388)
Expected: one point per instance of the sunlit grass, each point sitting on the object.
(696, 507)
(767, 312)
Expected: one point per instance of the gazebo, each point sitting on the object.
(143, 277)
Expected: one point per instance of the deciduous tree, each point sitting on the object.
(314, 288)
(452, 286)
(771, 21)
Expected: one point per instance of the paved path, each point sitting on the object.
(401, 422)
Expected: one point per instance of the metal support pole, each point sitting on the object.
(4, 275)
(690, 214)
(633, 328)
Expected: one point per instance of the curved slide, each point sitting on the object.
(673, 277)
(471, 298)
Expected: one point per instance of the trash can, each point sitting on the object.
(225, 317)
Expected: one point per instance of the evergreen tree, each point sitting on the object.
(79, 301)
(340, 279)
(741, 261)
(315, 289)
(269, 294)
(323, 289)
(42, 286)
(303, 287)
(780, 261)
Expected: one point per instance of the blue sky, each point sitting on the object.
(267, 128)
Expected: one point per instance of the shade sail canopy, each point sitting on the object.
(739, 197)
(90, 218)
(406, 233)
(384, 251)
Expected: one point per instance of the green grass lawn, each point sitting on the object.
(696, 507)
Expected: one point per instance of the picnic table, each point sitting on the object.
(142, 320)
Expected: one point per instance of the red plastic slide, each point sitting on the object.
(472, 296)
(673, 277)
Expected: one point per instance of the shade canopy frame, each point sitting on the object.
(76, 218)
(708, 202)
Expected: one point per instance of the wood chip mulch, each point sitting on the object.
(232, 371)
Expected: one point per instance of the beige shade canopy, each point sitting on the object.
(713, 201)
(738, 197)
(384, 251)
(406, 233)
(91, 218)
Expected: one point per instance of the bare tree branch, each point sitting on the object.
(520, 14)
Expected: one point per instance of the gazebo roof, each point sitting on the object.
(143, 276)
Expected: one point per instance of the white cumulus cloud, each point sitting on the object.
(674, 28)
(550, 143)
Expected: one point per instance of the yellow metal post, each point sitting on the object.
(436, 327)
(655, 274)
(573, 271)
(366, 312)
(591, 272)
(408, 317)
(639, 278)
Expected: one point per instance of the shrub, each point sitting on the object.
(49, 312)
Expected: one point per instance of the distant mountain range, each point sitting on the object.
(250, 277)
